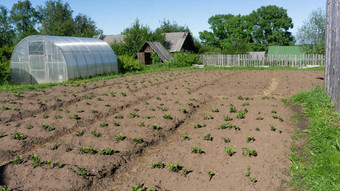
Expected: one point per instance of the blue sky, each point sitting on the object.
(113, 16)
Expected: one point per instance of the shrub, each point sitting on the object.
(183, 59)
(128, 64)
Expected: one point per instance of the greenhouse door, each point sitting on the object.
(37, 62)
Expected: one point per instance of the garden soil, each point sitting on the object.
(105, 135)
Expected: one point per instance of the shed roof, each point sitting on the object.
(158, 48)
(285, 50)
(110, 39)
(176, 40)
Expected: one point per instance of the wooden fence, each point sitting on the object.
(297, 61)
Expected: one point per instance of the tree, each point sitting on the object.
(166, 26)
(6, 29)
(135, 37)
(25, 18)
(56, 18)
(271, 25)
(84, 26)
(313, 32)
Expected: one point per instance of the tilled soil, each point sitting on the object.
(105, 135)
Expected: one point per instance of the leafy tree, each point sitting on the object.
(271, 25)
(312, 33)
(135, 37)
(56, 18)
(84, 26)
(167, 26)
(25, 18)
(6, 29)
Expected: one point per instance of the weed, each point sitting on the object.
(248, 152)
(210, 174)
(17, 160)
(250, 138)
(106, 151)
(81, 171)
(18, 136)
(47, 127)
(226, 140)
(87, 150)
(196, 150)
(232, 108)
(137, 140)
(94, 133)
(215, 110)
(230, 150)
(36, 160)
(167, 116)
(80, 133)
(185, 137)
(156, 127)
(104, 124)
(207, 137)
(207, 117)
(157, 165)
(227, 118)
(119, 137)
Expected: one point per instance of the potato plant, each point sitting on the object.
(18, 136)
(106, 151)
(36, 161)
(185, 137)
(250, 138)
(157, 165)
(207, 137)
(197, 150)
(249, 152)
(198, 125)
(87, 150)
(230, 150)
(232, 108)
(210, 174)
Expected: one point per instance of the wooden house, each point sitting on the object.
(144, 53)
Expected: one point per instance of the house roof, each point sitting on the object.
(159, 49)
(285, 50)
(175, 40)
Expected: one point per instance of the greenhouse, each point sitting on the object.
(43, 59)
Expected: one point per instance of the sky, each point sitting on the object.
(113, 16)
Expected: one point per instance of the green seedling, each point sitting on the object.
(80, 133)
(16, 109)
(257, 129)
(226, 125)
(48, 162)
(81, 171)
(272, 127)
(18, 136)
(106, 151)
(245, 104)
(17, 160)
(113, 94)
(240, 97)
(249, 152)
(190, 104)
(196, 150)
(177, 102)
(158, 98)
(157, 165)
(94, 111)
(215, 110)
(87, 150)
(280, 118)
(133, 115)
(259, 117)
(241, 114)
(141, 124)
(123, 94)
(232, 108)
(253, 179)
(250, 138)
(54, 147)
(45, 116)
(94, 133)
(137, 140)
(3, 134)
(174, 167)
(210, 174)
(248, 171)
(58, 116)
(156, 127)
(47, 127)
(57, 99)
(280, 131)
(75, 117)
(116, 123)
(5, 108)
(36, 160)
(185, 137)
(137, 187)
(167, 116)
(265, 98)
(68, 149)
(60, 109)
(207, 137)
(100, 99)
(57, 164)
(274, 111)
(118, 117)
(104, 124)
(229, 150)
(16, 94)
(197, 125)
(183, 110)
(12, 102)
(226, 140)
(6, 188)
(119, 137)
(207, 117)
(227, 118)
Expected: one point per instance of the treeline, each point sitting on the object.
(54, 17)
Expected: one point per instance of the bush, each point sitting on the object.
(184, 59)
(128, 64)
(5, 59)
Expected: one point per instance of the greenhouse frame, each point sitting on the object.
(44, 59)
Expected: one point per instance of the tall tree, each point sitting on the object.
(271, 26)
(312, 33)
(168, 26)
(25, 18)
(6, 29)
(56, 18)
(84, 26)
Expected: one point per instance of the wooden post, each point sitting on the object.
(332, 56)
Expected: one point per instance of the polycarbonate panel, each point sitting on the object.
(40, 59)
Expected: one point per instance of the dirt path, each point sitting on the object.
(157, 108)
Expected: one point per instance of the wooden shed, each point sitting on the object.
(144, 53)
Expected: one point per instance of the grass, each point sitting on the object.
(317, 166)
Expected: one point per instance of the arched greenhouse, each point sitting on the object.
(42, 59)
